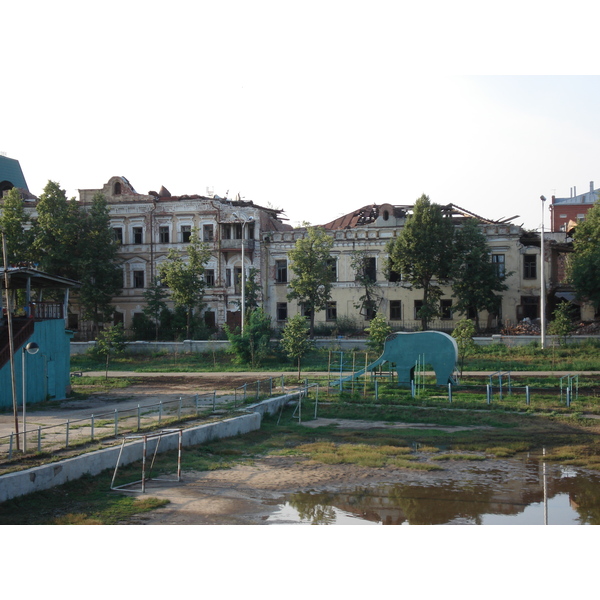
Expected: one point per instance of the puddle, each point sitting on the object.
(520, 491)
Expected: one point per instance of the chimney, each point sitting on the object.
(591, 186)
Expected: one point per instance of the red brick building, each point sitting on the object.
(567, 212)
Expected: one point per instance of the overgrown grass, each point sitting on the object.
(495, 357)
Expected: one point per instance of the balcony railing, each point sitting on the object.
(48, 310)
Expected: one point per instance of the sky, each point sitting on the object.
(316, 108)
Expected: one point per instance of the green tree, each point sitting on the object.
(110, 342)
(155, 298)
(584, 262)
(360, 261)
(463, 334)
(378, 331)
(562, 325)
(97, 266)
(310, 263)
(185, 278)
(295, 339)
(252, 346)
(423, 254)
(475, 279)
(14, 223)
(56, 232)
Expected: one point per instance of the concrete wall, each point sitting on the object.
(344, 344)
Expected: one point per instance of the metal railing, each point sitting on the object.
(258, 390)
(106, 425)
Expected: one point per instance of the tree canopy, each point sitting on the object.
(423, 254)
(475, 279)
(584, 262)
(310, 263)
(185, 278)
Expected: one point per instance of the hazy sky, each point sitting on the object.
(318, 108)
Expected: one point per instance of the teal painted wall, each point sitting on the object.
(47, 372)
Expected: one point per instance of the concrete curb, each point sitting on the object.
(25, 482)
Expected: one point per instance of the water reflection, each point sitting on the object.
(514, 491)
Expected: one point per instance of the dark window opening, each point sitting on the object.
(209, 277)
(418, 307)
(332, 264)
(138, 235)
(186, 233)
(371, 268)
(395, 310)
(331, 311)
(446, 309)
(281, 271)
(282, 311)
(210, 319)
(138, 279)
(118, 234)
(208, 233)
(529, 266)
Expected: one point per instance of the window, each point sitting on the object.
(305, 312)
(210, 319)
(237, 274)
(281, 271)
(209, 277)
(394, 276)
(498, 262)
(371, 268)
(163, 234)
(395, 310)
(117, 189)
(138, 279)
(118, 234)
(208, 234)
(418, 307)
(331, 311)
(529, 266)
(118, 318)
(446, 309)
(282, 311)
(138, 235)
(332, 264)
(186, 233)
(228, 282)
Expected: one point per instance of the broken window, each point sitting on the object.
(281, 271)
(138, 279)
(529, 266)
(282, 311)
(186, 233)
(446, 309)
(395, 310)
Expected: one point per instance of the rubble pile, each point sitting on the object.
(522, 328)
(587, 328)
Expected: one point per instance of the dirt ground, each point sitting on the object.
(245, 494)
(249, 495)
